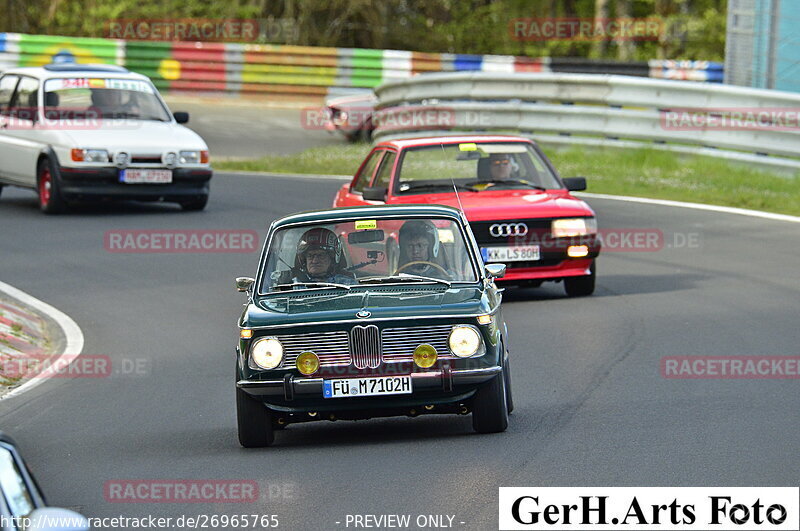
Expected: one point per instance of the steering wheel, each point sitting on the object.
(422, 262)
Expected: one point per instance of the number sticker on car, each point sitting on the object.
(355, 387)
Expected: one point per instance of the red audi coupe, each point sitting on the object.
(520, 210)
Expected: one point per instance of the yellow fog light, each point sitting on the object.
(245, 333)
(484, 319)
(577, 251)
(307, 363)
(425, 356)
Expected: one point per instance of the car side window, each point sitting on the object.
(7, 86)
(26, 100)
(365, 176)
(17, 496)
(384, 176)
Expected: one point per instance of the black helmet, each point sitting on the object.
(416, 228)
(318, 238)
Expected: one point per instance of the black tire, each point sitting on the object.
(489, 408)
(581, 286)
(198, 203)
(254, 421)
(507, 382)
(48, 188)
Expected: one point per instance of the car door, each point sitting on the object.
(8, 85)
(351, 194)
(23, 134)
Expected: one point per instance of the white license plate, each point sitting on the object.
(355, 387)
(145, 176)
(520, 253)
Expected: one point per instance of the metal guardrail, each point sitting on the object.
(593, 110)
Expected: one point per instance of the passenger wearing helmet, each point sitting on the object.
(319, 258)
(420, 250)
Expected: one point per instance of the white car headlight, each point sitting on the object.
(566, 228)
(190, 157)
(464, 341)
(267, 352)
(89, 155)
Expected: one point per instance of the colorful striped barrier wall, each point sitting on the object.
(254, 69)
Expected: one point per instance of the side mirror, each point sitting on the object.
(496, 270)
(181, 117)
(575, 184)
(45, 518)
(244, 283)
(374, 193)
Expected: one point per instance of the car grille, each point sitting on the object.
(365, 346)
(399, 343)
(330, 347)
(540, 227)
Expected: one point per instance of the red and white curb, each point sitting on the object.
(23, 335)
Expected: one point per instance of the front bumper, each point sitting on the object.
(445, 387)
(103, 183)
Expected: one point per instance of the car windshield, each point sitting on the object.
(106, 97)
(368, 251)
(473, 166)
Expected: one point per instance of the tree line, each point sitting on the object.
(689, 29)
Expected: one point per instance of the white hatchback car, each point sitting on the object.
(96, 132)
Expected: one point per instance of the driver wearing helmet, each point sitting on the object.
(319, 258)
(420, 250)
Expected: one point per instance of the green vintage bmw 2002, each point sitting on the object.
(368, 312)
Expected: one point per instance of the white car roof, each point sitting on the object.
(69, 70)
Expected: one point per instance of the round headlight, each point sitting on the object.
(464, 341)
(307, 363)
(425, 355)
(267, 352)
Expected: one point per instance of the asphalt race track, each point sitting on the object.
(592, 408)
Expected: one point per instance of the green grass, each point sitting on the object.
(641, 173)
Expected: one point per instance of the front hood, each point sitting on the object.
(490, 205)
(141, 136)
(384, 302)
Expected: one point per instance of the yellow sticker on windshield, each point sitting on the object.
(470, 146)
(366, 224)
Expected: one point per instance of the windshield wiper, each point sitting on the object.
(309, 285)
(430, 186)
(402, 278)
(519, 182)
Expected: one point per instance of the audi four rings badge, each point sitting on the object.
(499, 230)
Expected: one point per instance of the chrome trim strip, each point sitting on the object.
(486, 371)
(374, 319)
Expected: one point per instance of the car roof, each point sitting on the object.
(403, 143)
(376, 211)
(62, 70)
